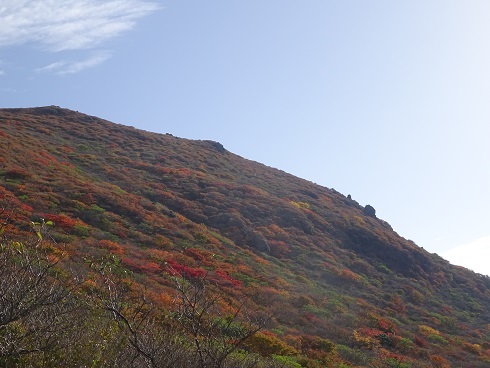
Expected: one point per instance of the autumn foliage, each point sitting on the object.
(343, 287)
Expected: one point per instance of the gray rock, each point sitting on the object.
(369, 211)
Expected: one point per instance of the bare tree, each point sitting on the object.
(197, 334)
(47, 320)
(147, 336)
(35, 298)
(215, 335)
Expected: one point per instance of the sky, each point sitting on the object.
(387, 101)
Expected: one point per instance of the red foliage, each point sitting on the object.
(45, 158)
(140, 266)
(311, 317)
(65, 149)
(47, 155)
(386, 326)
(420, 341)
(132, 265)
(62, 221)
(21, 211)
(68, 164)
(175, 268)
(195, 253)
(2, 134)
(224, 276)
(26, 208)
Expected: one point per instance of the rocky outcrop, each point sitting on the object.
(369, 211)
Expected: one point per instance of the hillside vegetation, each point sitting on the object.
(317, 279)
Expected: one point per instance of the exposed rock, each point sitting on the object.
(217, 146)
(51, 110)
(369, 211)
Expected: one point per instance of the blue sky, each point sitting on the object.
(385, 100)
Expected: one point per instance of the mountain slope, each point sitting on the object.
(321, 263)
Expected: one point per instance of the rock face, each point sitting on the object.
(369, 211)
(217, 146)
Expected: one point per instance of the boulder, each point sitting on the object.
(369, 211)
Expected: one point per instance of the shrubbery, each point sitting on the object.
(49, 317)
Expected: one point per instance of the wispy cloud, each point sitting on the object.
(69, 24)
(69, 67)
(473, 255)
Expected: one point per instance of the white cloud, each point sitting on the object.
(69, 67)
(69, 24)
(474, 255)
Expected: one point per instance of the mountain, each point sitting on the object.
(324, 267)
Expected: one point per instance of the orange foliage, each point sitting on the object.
(111, 246)
(158, 255)
(62, 221)
(151, 267)
(439, 361)
(278, 249)
(349, 275)
(398, 305)
(141, 266)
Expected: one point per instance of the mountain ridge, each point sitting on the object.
(310, 253)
